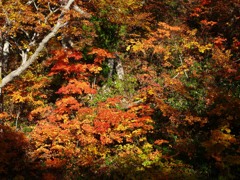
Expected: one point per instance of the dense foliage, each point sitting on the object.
(72, 114)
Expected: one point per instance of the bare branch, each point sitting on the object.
(81, 11)
(6, 48)
(67, 6)
(42, 44)
(7, 18)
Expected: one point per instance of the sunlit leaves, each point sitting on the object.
(76, 87)
(174, 116)
(108, 126)
(118, 10)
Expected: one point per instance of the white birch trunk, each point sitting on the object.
(40, 47)
(111, 67)
(119, 69)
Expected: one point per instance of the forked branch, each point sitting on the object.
(40, 47)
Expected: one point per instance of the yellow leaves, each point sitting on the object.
(65, 118)
(227, 130)
(221, 57)
(195, 44)
(182, 69)
(137, 132)
(137, 46)
(18, 98)
(128, 48)
(95, 69)
(202, 49)
(147, 146)
(167, 55)
(120, 127)
(150, 92)
(117, 10)
(192, 32)
(164, 32)
(143, 139)
(28, 75)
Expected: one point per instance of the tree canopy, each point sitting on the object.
(100, 89)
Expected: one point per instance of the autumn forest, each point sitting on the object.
(119, 89)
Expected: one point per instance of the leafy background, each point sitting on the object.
(174, 115)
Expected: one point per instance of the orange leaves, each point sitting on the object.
(61, 62)
(55, 163)
(3, 115)
(51, 143)
(155, 41)
(196, 12)
(87, 131)
(221, 57)
(112, 102)
(208, 23)
(39, 113)
(101, 126)
(205, 2)
(101, 55)
(180, 86)
(173, 83)
(193, 119)
(49, 176)
(76, 87)
(112, 124)
(165, 30)
(88, 128)
(101, 52)
(160, 141)
(218, 143)
(223, 63)
(68, 61)
(75, 55)
(67, 105)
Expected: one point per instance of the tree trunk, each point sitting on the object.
(117, 64)
(119, 68)
(111, 67)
